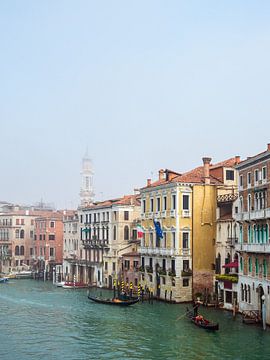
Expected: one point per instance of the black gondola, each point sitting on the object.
(201, 322)
(114, 301)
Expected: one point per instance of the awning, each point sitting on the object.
(231, 265)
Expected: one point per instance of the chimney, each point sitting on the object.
(268, 146)
(161, 174)
(148, 182)
(237, 159)
(206, 166)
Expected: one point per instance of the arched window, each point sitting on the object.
(264, 268)
(267, 233)
(245, 291)
(249, 295)
(22, 234)
(17, 250)
(22, 250)
(17, 233)
(126, 233)
(241, 234)
(241, 263)
(218, 264)
(242, 292)
(114, 233)
(257, 266)
(249, 264)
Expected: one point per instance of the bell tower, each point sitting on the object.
(87, 192)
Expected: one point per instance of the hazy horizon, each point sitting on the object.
(142, 86)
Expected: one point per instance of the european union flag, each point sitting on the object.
(159, 231)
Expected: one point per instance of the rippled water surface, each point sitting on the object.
(40, 321)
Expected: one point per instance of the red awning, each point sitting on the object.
(231, 265)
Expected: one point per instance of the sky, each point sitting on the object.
(143, 85)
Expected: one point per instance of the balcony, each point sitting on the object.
(149, 269)
(172, 272)
(185, 252)
(232, 241)
(254, 248)
(186, 272)
(163, 214)
(162, 272)
(227, 277)
(172, 213)
(51, 258)
(186, 214)
(253, 215)
(226, 198)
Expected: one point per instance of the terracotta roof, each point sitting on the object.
(226, 163)
(194, 176)
(131, 253)
(125, 200)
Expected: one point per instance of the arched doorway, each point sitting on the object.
(260, 292)
(110, 282)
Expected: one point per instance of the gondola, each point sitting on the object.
(114, 301)
(201, 322)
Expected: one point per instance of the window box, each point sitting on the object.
(187, 272)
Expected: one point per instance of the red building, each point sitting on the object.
(48, 241)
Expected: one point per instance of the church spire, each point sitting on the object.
(87, 191)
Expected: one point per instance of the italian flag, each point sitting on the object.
(140, 231)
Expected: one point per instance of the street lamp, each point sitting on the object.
(263, 312)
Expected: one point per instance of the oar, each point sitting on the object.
(180, 317)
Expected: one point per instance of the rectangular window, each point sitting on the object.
(185, 202)
(256, 175)
(106, 265)
(264, 174)
(31, 234)
(113, 266)
(126, 215)
(40, 237)
(165, 203)
(144, 206)
(173, 202)
(185, 282)
(127, 264)
(173, 265)
(241, 180)
(151, 205)
(81, 219)
(173, 240)
(51, 237)
(185, 240)
(150, 262)
(158, 204)
(22, 221)
(52, 252)
(31, 251)
(229, 175)
(163, 264)
(17, 222)
(249, 178)
(52, 224)
(142, 261)
(185, 265)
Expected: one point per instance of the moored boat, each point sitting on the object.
(74, 285)
(200, 321)
(3, 279)
(114, 301)
(60, 283)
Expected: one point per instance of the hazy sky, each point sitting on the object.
(143, 84)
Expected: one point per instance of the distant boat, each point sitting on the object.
(200, 321)
(74, 285)
(114, 301)
(3, 280)
(60, 283)
(24, 274)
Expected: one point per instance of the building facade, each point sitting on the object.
(106, 230)
(253, 216)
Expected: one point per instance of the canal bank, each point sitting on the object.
(40, 321)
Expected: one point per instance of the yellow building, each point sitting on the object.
(181, 263)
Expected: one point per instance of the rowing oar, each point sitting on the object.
(180, 317)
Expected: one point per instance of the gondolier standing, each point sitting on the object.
(196, 304)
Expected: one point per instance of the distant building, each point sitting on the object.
(106, 232)
(73, 249)
(87, 190)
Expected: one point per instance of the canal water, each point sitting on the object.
(40, 321)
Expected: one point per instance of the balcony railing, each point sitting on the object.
(255, 248)
(231, 278)
(232, 241)
(253, 215)
(149, 269)
(226, 198)
(187, 272)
